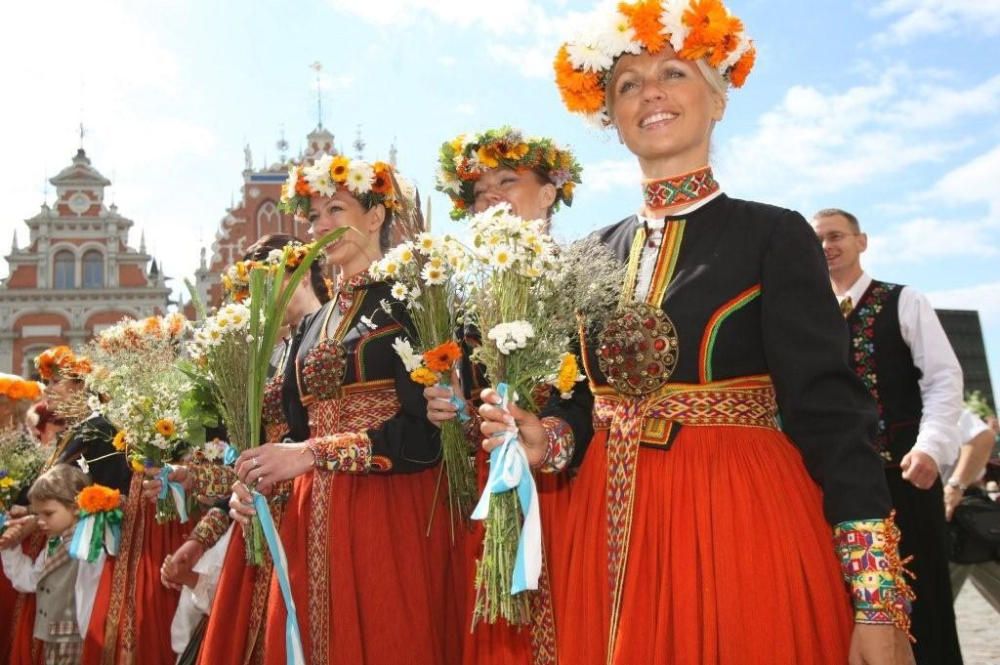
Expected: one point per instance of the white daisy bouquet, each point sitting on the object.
(512, 299)
(137, 374)
(423, 274)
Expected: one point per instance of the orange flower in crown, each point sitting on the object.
(98, 499)
(695, 29)
(60, 361)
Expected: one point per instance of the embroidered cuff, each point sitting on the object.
(869, 558)
(560, 445)
(210, 528)
(347, 453)
(211, 480)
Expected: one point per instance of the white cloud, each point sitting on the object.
(466, 108)
(912, 19)
(610, 174)
(832, 141)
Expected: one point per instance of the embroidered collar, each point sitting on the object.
(347, 288)
(667, 195)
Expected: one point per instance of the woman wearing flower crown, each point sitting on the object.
(534, 176)
(700, 531)
(234, 634)
(369, 571)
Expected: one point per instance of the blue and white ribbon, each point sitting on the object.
(293, 639)
(459, 404)
(230, 455)
(3, 521)
(509, 469)
(168, 486)
(88, 541)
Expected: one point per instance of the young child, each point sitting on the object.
(63, 587)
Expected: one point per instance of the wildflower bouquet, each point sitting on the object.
(100, 524)
(512, 302)
(137, 373)
(232, 350)
(423, 272)
(21, 460)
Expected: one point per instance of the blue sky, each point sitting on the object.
(888, 108)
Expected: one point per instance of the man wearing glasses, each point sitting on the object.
(900, 351)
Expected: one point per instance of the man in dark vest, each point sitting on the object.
(900, 351)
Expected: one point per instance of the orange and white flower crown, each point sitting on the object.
(15, 388)
(236, 278)
(370, 183)
(695, 29)
(60, 361)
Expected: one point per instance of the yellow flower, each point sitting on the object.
(137, 466)
(568, 375)
(487, 157)
(424, 376)
(6, 482)
(166, 427)
(339, 168)
(119, 441)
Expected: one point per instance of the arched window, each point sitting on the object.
(64, 270)
(268, 219)
(93, 270)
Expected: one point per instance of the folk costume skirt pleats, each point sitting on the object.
(130, 623)
(729, 560)
(371, 586)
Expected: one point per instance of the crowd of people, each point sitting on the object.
(768, 466)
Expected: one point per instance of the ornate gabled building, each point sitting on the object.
(256, 213)
(76, 275)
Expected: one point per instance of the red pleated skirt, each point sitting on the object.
(730, 560)
(371, 586)
(133, 611)
(234, 630)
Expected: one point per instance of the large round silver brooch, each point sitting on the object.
(638, 350)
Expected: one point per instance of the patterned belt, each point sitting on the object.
(741, 402)
(360, 407)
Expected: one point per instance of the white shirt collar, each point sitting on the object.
(657, 224)
(857, 289)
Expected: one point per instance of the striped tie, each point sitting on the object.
(846, 305)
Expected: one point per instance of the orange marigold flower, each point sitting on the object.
(645, 19)
(442, 357)
(709, 22)
(382, 184)
(424, 376)
(16, 390)
(302, 187)
(338, 168)
(738, 74)
(82, 367)
(166, 427)
(98, 499)
(729, 42)
(119, 441)
(581, 91)
(516, 152)
(151, 325)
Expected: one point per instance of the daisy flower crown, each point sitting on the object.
(695, 29)
(464, 160)
(370, 183)
(236, 278)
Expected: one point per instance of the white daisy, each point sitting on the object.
(360, 176)
(618, 38)
(672, 19)
(448, 183)
(399, 291)
(433, 276)
(404, 350)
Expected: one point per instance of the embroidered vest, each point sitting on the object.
(882, 359)
(55, 600)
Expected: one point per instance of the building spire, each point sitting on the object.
(393, 153)
(13, 243)
(318, 67)
(359, 145)
(142, 242)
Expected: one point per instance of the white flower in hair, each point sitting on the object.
(404, 350)
(672, 19)
(743, 45)
(617, 38)
(448, 182)
(360, 176)
(318, 176)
